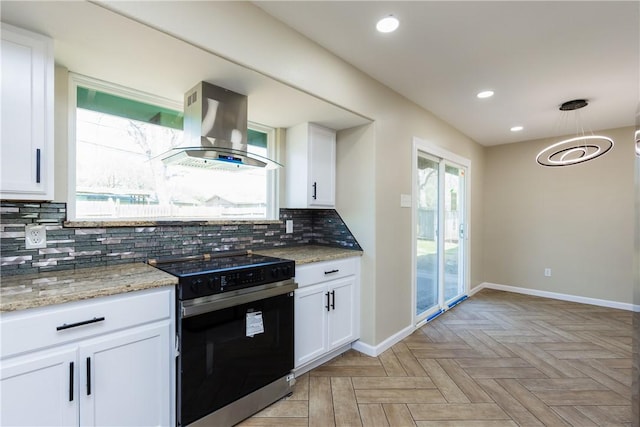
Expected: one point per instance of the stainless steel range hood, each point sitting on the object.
(215, 132)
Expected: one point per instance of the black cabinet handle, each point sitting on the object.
(84, 322)
(71, 382)
(333, 300)
(315, 190)
(38, 165)
(88, 376)
(327, 306)
(331, 271)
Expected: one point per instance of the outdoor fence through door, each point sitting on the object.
(440, 230)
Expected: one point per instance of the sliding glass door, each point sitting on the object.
(440, 229)
(427, 271)
(453, 232)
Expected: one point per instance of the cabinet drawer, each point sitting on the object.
(43, 327)
(308, 274)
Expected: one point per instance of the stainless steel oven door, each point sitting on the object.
(232, 345)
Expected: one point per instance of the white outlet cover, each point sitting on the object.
(289, 226)
(35, 236)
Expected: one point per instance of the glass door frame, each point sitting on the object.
(444, 157)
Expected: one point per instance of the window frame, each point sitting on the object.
(76, 80)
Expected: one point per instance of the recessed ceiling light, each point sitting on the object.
(485, 94)
(516, 128)
(388, 24)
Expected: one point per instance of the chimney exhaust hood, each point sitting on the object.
(215, 132)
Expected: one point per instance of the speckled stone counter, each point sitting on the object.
(38, 290)
(309, 253)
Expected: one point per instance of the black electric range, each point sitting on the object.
(235, 334)
(211, 274)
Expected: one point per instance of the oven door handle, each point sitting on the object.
(220, 301)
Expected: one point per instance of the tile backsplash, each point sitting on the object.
(76, 247)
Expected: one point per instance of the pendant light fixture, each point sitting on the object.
(575, 150)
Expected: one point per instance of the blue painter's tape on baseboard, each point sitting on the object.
(458, 301)
(434, 315)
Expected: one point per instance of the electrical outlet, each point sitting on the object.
(35, 236)
(547, 272)
(289, 226)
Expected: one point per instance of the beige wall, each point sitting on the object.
(355, 193)
(60, 137)
(576, 220)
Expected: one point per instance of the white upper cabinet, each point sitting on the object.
(310, 167)
(26, 148)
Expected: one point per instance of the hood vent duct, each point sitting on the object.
(215, 132)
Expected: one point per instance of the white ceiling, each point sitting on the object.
(535, 55)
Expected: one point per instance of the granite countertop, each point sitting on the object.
(37, 290)
(309, 253)
(56, 287)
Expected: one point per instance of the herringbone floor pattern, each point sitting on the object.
(497, 359)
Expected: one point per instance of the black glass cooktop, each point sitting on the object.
(219, 264)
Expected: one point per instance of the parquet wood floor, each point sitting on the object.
(497, 359)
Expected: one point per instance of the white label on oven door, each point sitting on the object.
(254, 323)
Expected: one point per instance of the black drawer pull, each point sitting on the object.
(327, 306)
(71, 382)
(333, 300)
(315, 190)
(331, 271)
(84, 322)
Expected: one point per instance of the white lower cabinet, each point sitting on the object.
(341, 318)
(123, 377)
(326, 308)
(310, 324)
(39, 389)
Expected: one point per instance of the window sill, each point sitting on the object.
(177, 223)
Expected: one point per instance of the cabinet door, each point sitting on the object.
(27, 115)
(310, 323)
(40, 389)
(322, 166)
(342, 317)
(125, 378)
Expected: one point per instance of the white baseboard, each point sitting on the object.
(375, 351)
(477, 289)
(558, 296)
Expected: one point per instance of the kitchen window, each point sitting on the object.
(117, 137)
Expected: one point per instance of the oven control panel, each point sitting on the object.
(224, 281)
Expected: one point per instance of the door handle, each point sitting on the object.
(70, 381)
(328, 305)
(333, 300)
(315, 190)
(461, 233)
(88, 376)
(38, 165)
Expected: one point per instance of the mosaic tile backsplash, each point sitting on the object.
(69, 247)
